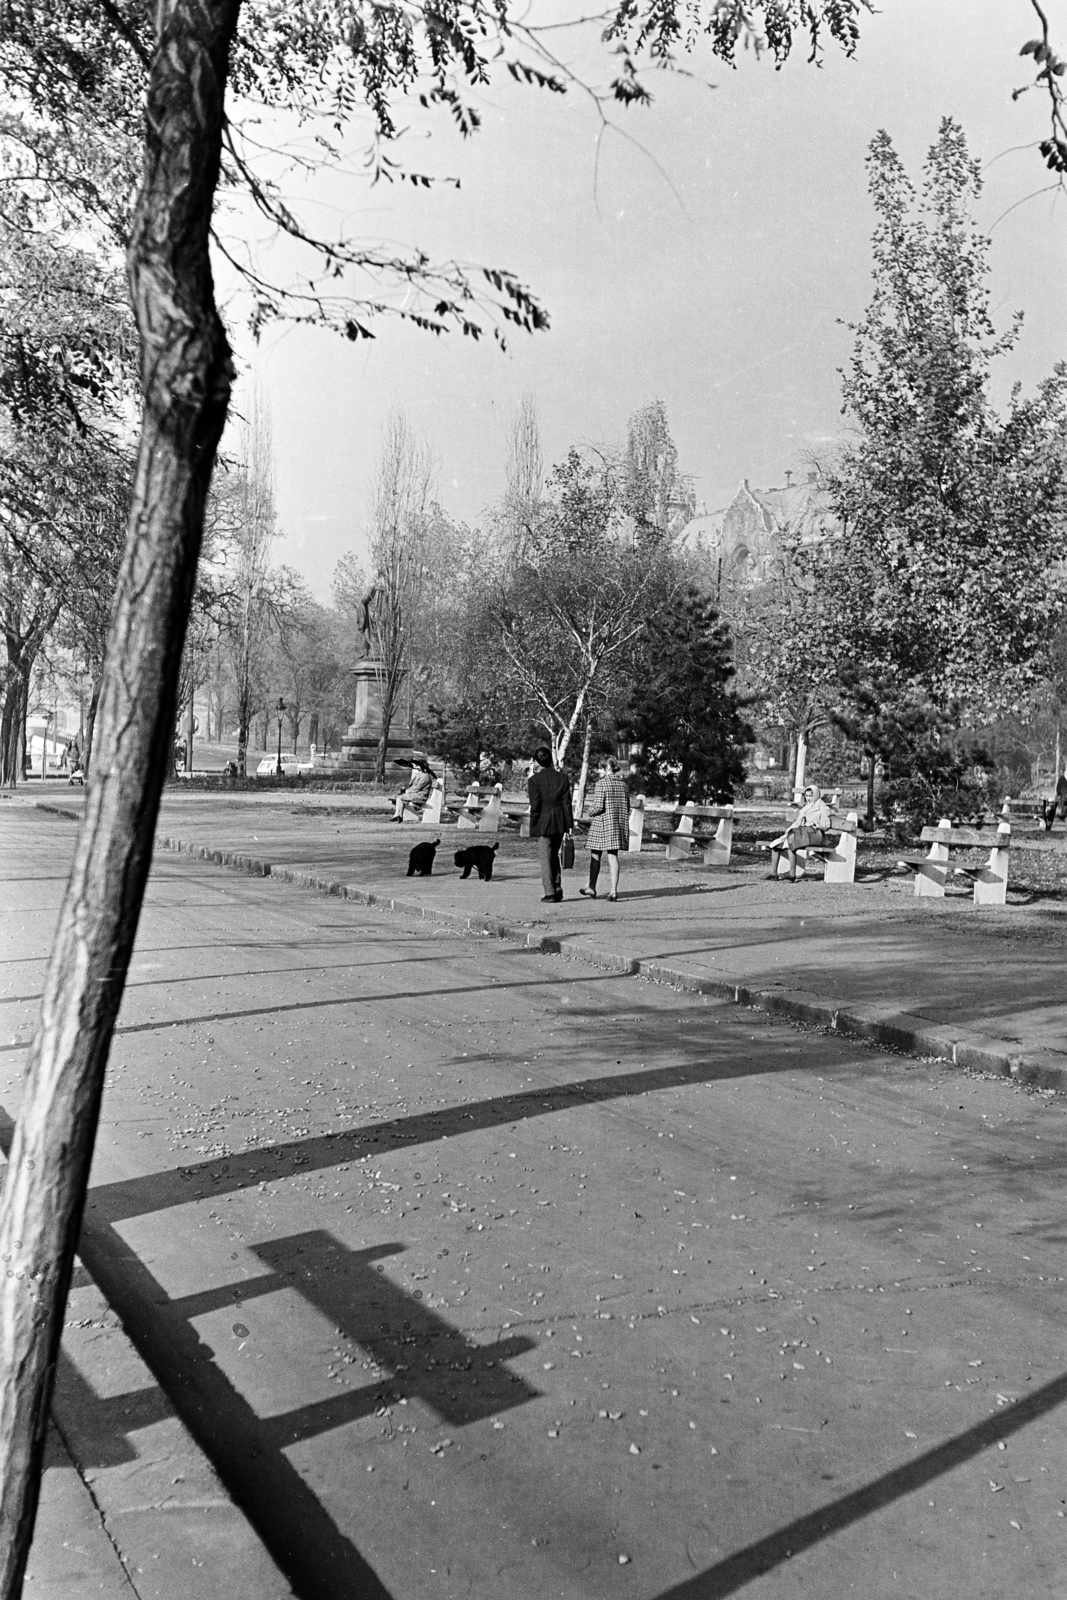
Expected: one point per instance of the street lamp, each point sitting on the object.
(281, 708)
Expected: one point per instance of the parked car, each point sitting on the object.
(291, 765)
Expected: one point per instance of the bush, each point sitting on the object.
(963, 785)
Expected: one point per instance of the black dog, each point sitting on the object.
(478, 856)
(420, 861)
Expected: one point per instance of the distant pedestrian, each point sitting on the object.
(1059, 802)
(551, 817)
(610, 832)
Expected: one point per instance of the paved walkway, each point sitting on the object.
(984, 986)
(487, 1272)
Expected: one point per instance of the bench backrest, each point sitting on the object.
(976, 838)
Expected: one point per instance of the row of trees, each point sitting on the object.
(569, 614)
(569, 617)
(932, 612)
(937, 606)
(100, 94)
(66, 382)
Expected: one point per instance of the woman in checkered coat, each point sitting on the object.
(610, 832)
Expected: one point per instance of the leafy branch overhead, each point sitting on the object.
(1049, 77)
(71, 134)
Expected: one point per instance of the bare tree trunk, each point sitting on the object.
(22, 651)
(583, 776)
(390, 692)
(186, 375)
(90, 724)
(800, 770)
(684, 773)
(12, 722)
(190, 717)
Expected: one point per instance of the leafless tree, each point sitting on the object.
(403, 516)
(249, 578)
(524, 492)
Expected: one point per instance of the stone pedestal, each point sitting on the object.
(359, 746)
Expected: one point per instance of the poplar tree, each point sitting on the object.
(948, 568)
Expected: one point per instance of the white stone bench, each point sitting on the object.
(429, 814)
(481, 809)
(516, 808)
(839, 860)
(990, 881)
(684, 829)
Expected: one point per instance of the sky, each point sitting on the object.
(706, 253)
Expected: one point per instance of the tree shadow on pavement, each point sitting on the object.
(680, 889)
(96, 1427)
(728, 1576)
(156, 1191)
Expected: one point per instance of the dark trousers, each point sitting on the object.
(551, 878)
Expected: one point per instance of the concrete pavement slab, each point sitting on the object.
(72, 1555)
(935, 977)
(483, 1272)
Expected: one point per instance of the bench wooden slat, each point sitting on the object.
(967, 838)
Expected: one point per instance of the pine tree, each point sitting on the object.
(683, 713)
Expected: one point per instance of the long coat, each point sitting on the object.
(550, 803)
(610, 811)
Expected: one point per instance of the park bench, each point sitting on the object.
(428, 814)
(480, 809)
(990, 881)
(684, 829)
(516, 808)
(838, 859)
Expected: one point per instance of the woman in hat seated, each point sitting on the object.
(806, 831)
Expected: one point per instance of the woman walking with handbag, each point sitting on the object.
(610, 832)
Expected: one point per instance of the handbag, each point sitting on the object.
(566, 855)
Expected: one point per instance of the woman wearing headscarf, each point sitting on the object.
(806, 831)
(610, 832)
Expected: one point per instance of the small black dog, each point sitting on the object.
(478, 856)
(420, 861)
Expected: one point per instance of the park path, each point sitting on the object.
(479, 1272)
(995, 977)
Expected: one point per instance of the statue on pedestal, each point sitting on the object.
(370, 614)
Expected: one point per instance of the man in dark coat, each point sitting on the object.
(551, 817)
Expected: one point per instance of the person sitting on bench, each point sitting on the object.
(418, 790)
(807, 831)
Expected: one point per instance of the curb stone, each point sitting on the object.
(970, 1050)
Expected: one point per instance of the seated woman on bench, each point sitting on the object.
(807, 831)
(418, 790)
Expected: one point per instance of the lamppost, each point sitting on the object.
(281, 708)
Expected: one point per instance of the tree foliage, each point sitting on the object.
(65, 379)
(684, 712)
(569, 616)
(952, 515)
